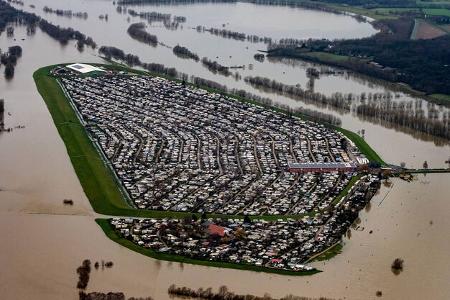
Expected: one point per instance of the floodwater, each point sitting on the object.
(43, 242)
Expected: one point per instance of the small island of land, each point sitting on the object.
(200, 177)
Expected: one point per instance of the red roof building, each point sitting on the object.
(214, 229)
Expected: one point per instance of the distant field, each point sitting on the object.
(396, 9)
(437, 11)
(425, 31)
(441, 97)
(327, 57)
(422, 3)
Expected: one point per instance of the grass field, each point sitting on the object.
(327, 57)
(111, 233)
(437, 11)
(441, 97)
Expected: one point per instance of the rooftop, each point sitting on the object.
(83, 68)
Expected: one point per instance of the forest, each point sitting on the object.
(184, 52)
(10, 15)
(224, 294)
(377, 107)
(215, 67)
(390, 54)
(137, 32)
(239, 36)
(9, 60)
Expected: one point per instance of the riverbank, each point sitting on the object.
(112, 234)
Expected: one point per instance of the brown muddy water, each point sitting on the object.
(43, 242)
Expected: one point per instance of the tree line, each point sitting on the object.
(338, 101)
(152, 16)
(240, 36)
(84, 271)
(64, 35)
(9, 60)
(117, 54)
(224, 294)
(215, 67)
(65, 13)
(399, 115)
(389, 55)
(376, 107)
(184, 52)
(9, 14)
(137, 2)
(137, 32)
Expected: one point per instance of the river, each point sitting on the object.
(43, 242)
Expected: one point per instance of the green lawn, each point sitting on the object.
(437, 11)
(112, 234)
(362, 146)
(441, 98)
(345, 191)
(327, 57)
(329, 253)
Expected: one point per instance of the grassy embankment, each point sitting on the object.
(441, 97)
(327, 253)
(112, 234)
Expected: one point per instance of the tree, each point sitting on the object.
(194, 218)
(9, 71)
(247, 219)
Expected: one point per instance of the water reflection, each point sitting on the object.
(36, 174)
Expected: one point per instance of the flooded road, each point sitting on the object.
(43, 242)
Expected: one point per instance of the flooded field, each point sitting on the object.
(46, 241)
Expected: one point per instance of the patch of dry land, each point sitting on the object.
(426, 31)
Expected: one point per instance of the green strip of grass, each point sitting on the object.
(329, 253)
(441, 97)
(345, 191)
(362, 145)
(437, 12)
(327, 57)
(112, 234)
